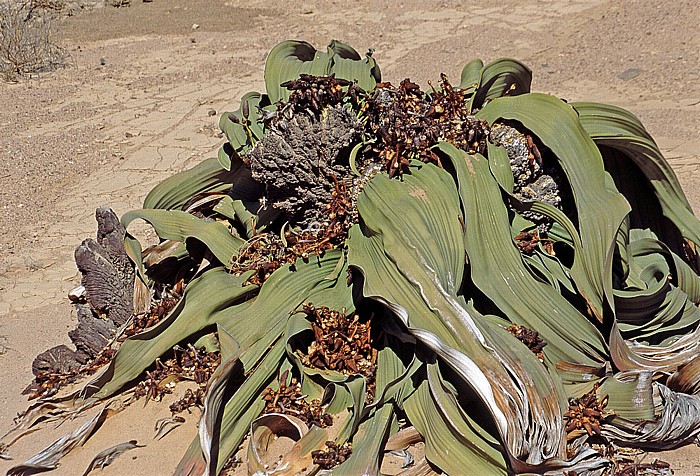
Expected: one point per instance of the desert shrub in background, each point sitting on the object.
(26, 43)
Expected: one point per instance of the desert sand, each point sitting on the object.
(135, 105)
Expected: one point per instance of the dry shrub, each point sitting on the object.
(26, 45)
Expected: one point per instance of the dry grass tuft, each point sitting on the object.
(26, 45)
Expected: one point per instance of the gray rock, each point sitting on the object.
(630, 73)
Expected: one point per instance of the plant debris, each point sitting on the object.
(289, 400)
(530, 338)
(585, 414)
(165, 425)
(188, 363)
(628, 467)
(191, 398)
(332, 456)
(408, 123)
(231, 465)
(107, 457)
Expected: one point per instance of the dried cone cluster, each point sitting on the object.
(289, 400)
(315, 93)
(186, 364)
(158, 310)
(530, 338)
(49, 383)
(408, 124)
(527, 242)
(332, 456)
(586, 414)
(340, 343)
(266, 252)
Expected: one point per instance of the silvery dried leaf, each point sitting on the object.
(166, 425)
(106, 457)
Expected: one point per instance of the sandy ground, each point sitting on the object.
(133, 109)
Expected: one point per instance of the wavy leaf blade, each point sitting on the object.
(601, 209)
(617, 128)
(498, 270)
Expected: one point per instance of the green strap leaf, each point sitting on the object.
(243, 127)
(282, 293)
(174, 192)
(498, 270)
(180, 226)
(204, 297)
(615, 127)
(347, 64)
(601, 209)
(451, 443)
(367, 444)
(416, 220)
(471, 73)
(291, 58)
(503, 77)
(287, 61)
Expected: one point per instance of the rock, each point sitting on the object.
(630, 73)
(211, 112)
(77, 294)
